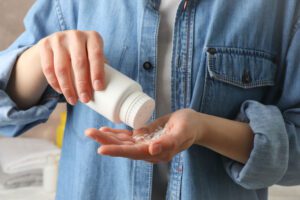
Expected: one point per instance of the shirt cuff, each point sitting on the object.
(269, 157)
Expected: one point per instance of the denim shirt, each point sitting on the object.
(236, 59)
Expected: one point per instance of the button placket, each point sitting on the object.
(147, 62)
(147, 66)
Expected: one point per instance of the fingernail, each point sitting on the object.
(84, 97)
(156, 149)
(59, 91)
(100, 151)
(72, 100)
(103, 128)
(97, 85)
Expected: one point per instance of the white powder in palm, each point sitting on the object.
(149, 137)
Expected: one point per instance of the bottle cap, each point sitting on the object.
(137, 109)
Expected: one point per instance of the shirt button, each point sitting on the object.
(212, 51)
(246, 78)
(147, 66)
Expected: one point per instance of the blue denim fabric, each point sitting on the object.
(236, 59)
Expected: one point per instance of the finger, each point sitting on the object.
(63, 72)
(165, 143)
(106, 138)
(124, 137)
(96, 60)
(136, 151)
(46, 56)
(117, 131)
(121, 134)
(80, 66)
(155, 149)
(101, 137)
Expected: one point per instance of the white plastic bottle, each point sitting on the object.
(122, 100)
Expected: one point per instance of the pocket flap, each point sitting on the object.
(244, 68)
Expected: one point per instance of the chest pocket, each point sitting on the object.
(234, 75)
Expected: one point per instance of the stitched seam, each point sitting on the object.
(245, 52)
(294, 31)
(296, 26)
(186, 50)
(211, 62)
(60, 17)
(258, 83)
(155, 38)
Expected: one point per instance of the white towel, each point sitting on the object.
(28, 193)
(22, 179)
(25, 154)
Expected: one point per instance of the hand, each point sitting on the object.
(72, 62)
(182, 129)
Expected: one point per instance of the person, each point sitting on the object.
(226, 83)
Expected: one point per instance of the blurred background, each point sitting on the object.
(11, 26)
(37, 148)
(12, 14)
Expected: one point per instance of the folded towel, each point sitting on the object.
(22, 179)
(28, 193)
(25, 154)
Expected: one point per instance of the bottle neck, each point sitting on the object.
(137, 109)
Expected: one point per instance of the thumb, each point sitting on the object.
(165, 143)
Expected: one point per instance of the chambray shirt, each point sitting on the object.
(236, 59)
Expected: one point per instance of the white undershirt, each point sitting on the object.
(168, 9)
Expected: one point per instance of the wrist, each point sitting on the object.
(202, 130)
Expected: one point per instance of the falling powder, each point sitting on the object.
(149, 137)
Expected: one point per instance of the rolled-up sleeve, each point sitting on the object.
(268, 160)
(275, 157)
(41, 21)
